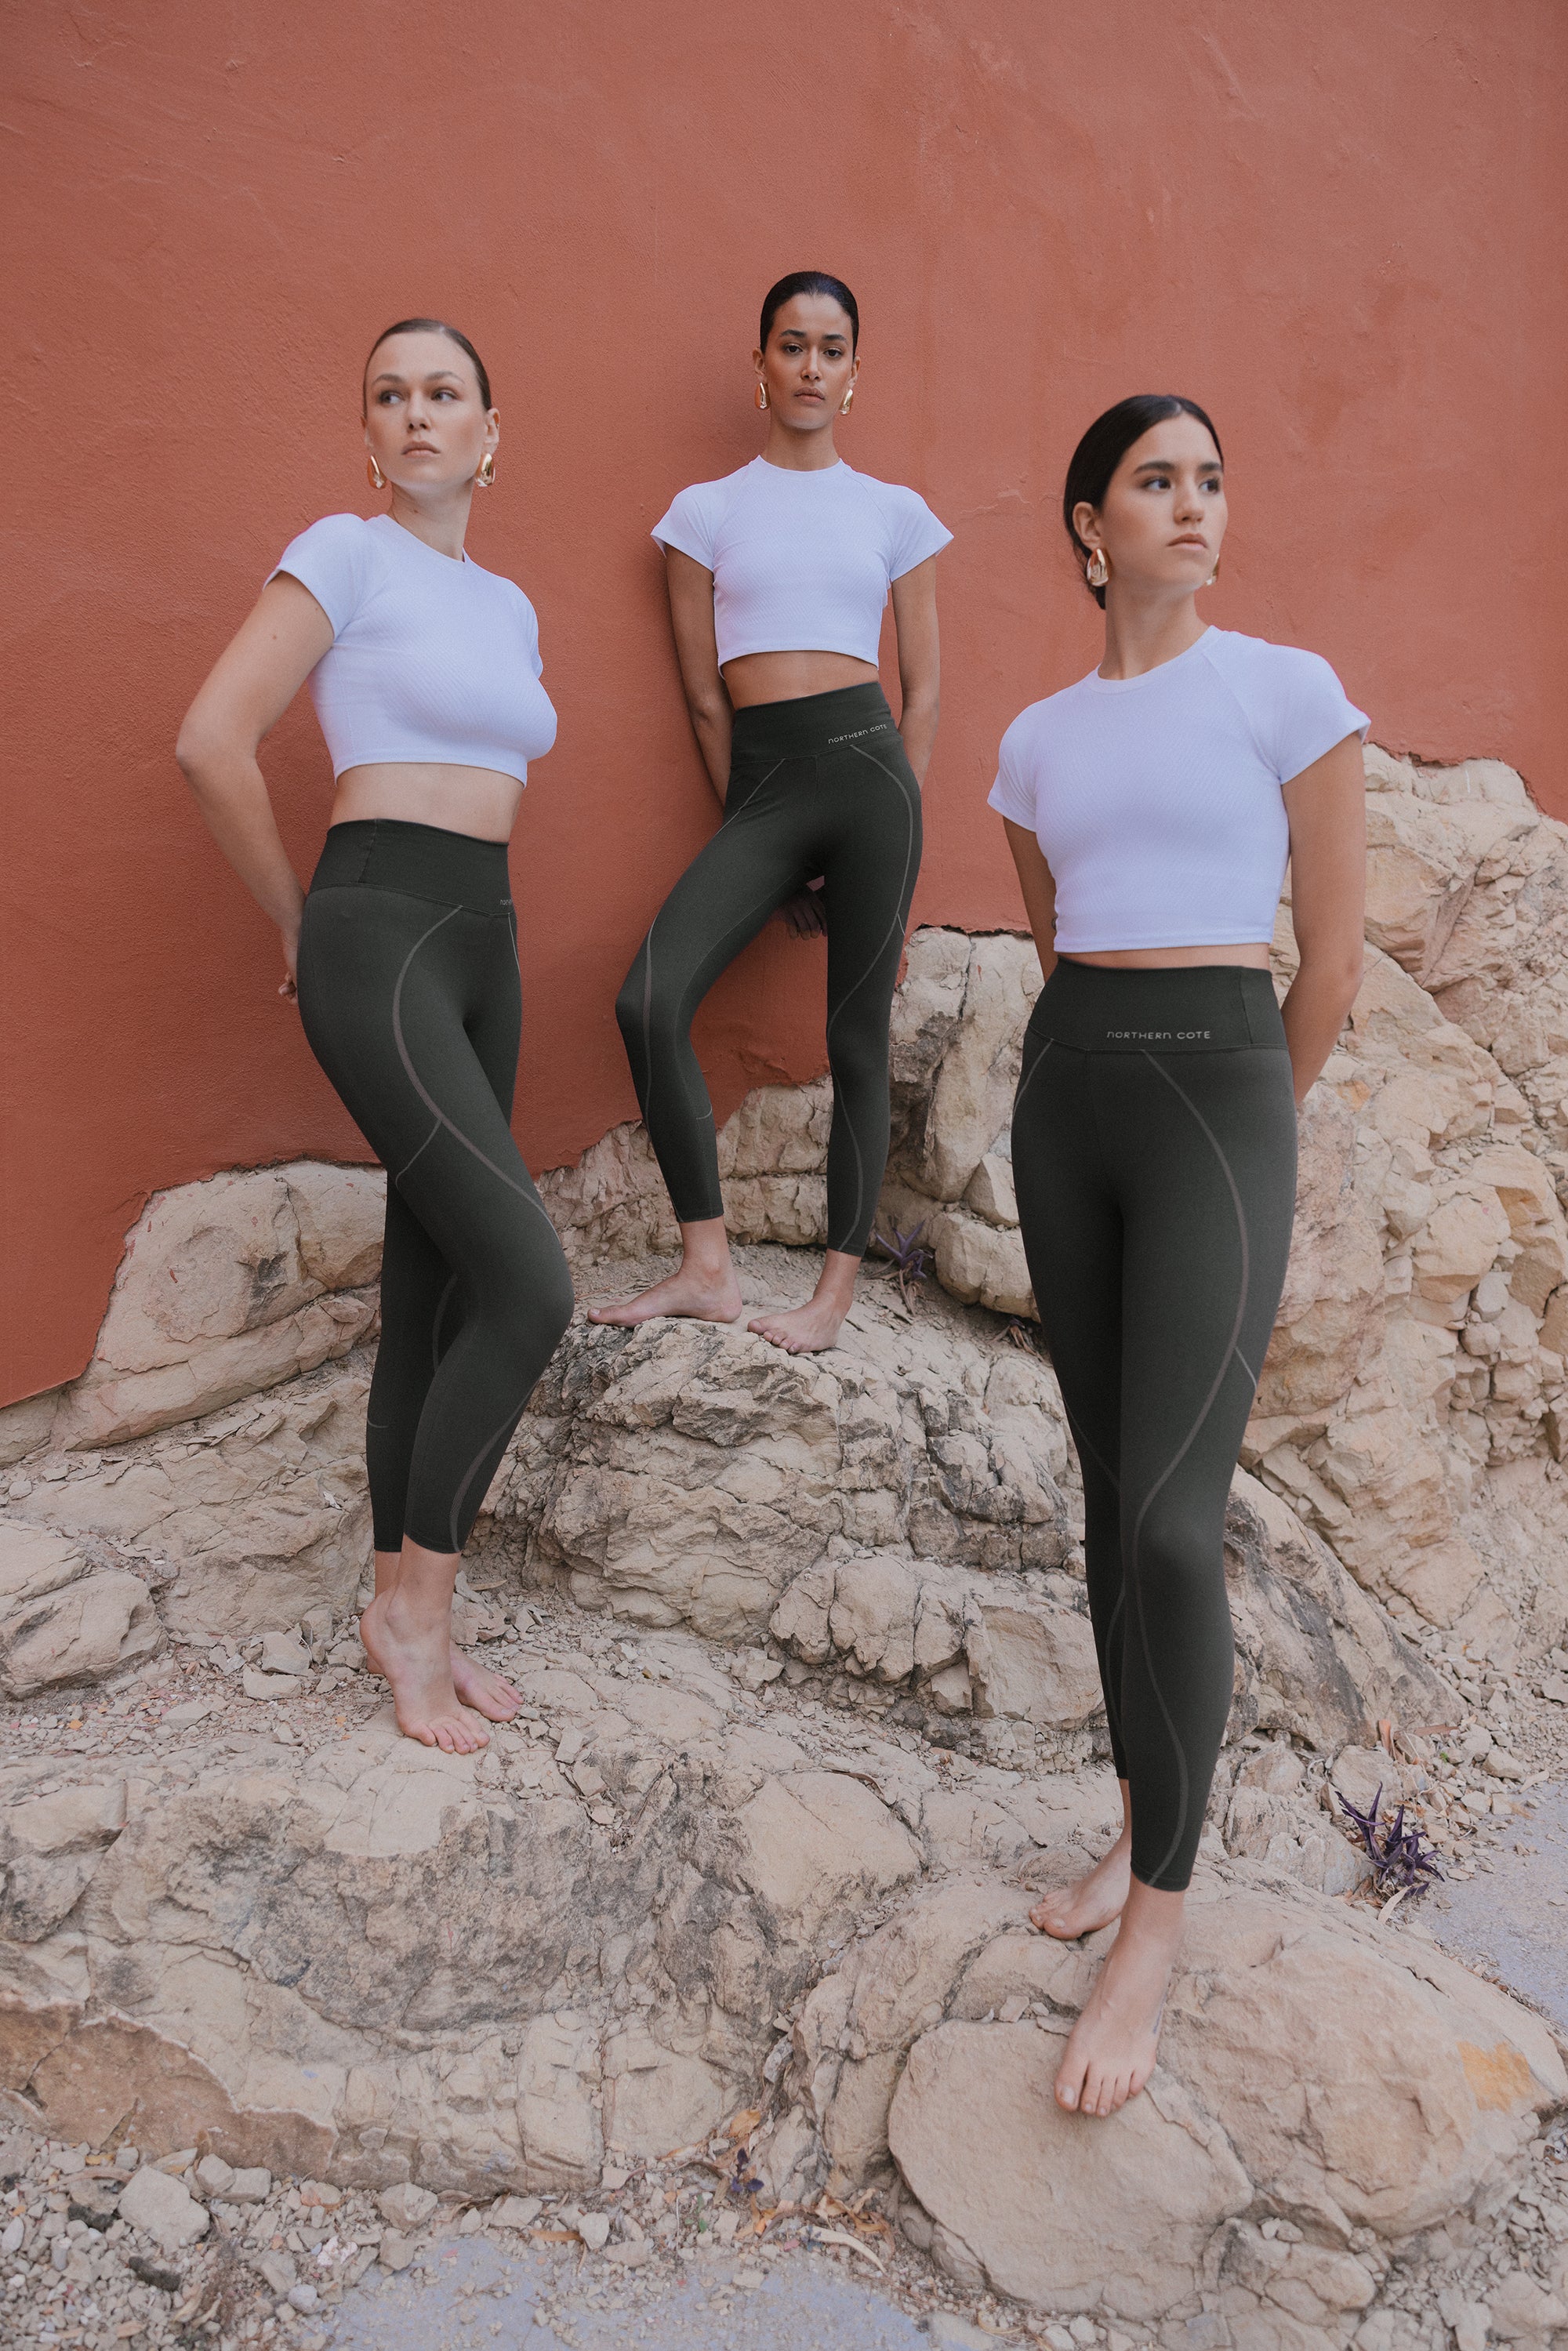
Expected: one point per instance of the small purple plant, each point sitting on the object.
(910, 1263)
(1404, 1862)
(743, 2180)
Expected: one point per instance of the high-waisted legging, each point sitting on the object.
(819, 786)
(410, 995)
(1155, 1153)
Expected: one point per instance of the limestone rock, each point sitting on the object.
(1333, 1285)
(61, 1618)
(1522, 2310)
(260, 1511)
(992, 1193)
(981, 1260)
(1025, 2189)
(404, 2206)
(1308, 2069)
(228, 1286)
(1025, 1655)
(970, 1100)
(1314, 1657)
(683, 1472)
(164, 2208)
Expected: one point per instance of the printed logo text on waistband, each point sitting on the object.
(1154, 1036)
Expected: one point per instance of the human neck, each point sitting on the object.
(799, 453)
(1144, 633)
(441, 522)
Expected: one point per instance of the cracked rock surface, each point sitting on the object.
(723, 1942)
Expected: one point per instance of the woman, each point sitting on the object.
(778, 575)
(1150, 810)
(424, 671)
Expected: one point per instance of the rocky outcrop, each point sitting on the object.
(685, 1473)
(1309, 2073)
(226, 1288)
(810, 1690)
(244, 1521)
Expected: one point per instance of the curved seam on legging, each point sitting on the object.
(685, 1022)
(428, 1099)
(437, 1319)
(1028, 1075)
(738, 817)
(407, 1163)
(497, 1433)
(1184, 1448)
(898, 922)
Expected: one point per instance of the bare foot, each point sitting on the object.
(480, 1687)
(1112, 2049)
(703, 1298)
(802, 1330)
(416, 1658)
(1088, 1902)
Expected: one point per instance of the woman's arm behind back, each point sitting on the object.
(919, 663)
(250, 686)
(690, 586)
(1327, 805)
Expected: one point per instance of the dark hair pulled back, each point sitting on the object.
(435, 326)
(1104, 445)
(808, 281)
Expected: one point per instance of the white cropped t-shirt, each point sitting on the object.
(1157, 799)
(800, 562)
(431, 660)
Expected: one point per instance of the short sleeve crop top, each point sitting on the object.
(800, 562)
(431, 660)
(1157, 799)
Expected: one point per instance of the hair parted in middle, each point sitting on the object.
(436, 327)
(808, 281)
(1104, 445)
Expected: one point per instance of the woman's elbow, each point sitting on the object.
(199, 748)
(1336, 971)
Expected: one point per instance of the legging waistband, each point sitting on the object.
(420, 860)
(812, 725)
(1195, 1008)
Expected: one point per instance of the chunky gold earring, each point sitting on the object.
(1214, 574)
(485, 479)
(374, 476)
(848, 398)
(760, 395)
(1096, 570)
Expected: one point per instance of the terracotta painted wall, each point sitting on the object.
(1337, 225)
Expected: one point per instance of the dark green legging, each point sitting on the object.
(819, 786)
(1154, 1152)
(409, 996)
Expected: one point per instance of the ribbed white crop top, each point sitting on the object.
(431, 660)
(1156, 799)
(800, 562)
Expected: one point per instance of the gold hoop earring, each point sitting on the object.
(1096, 570)
(1214, 574)
(848, 398)
(760, 395)
(485, 479)
(373, 475)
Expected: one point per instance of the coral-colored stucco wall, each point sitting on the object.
(1338, 225)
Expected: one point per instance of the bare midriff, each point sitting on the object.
(480, 802)
(1252, 955)
(789, 677)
